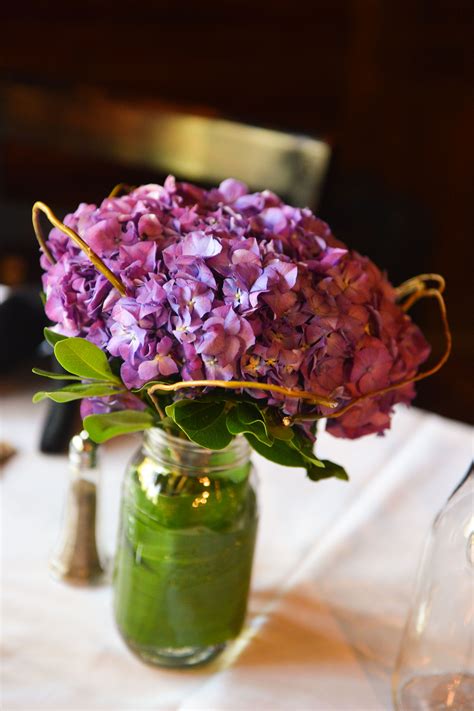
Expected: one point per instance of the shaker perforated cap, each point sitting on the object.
(83, 451)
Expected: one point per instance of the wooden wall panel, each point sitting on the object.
(388, 83)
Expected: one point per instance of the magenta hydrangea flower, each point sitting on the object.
(231, 285)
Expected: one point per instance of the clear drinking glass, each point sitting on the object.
(435, 668)
(185, 549)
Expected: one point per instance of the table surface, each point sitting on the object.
(331, 587)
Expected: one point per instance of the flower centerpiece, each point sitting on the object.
(216, 320)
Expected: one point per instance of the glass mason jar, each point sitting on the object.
(185, 549)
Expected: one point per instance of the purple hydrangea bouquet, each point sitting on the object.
(217, 317)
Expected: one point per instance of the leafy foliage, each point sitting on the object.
(211, 421)
(103, 427)
(81, 357)
(52, 337)
(247, 418)
(202, 422)
(55, 376)
(76, 392)
(280, 452)
(275, 426)
(330, 470)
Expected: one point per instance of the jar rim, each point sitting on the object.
(172, 450)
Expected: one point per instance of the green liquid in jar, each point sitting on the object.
(184, 561)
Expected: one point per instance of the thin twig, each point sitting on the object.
(418, 283)
(243, 384)
(121, 187)
(157, 405)
(39, 233)
(94, 258)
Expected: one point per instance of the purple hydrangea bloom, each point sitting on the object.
(161, 364)
(226, 338)
(227, 284)
(104, 405)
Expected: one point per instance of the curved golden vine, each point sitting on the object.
(88, 251)
(119, 188)
(243, 384)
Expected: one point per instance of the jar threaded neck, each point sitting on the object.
(192, 458)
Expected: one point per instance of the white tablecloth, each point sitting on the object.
(331, 586)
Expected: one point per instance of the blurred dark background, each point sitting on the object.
(387, 84)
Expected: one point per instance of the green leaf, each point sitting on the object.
(103, 427)
(275, 426)
(167, 424)
(280, 452)
(42, 296)
(203, 422)
(284, 453)
(76, 392)
(83, 358)
(305, 447)
(52, 337)
(248, 418)
(144, 388)
(55, 376)
(249, 413)
(330, 469)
